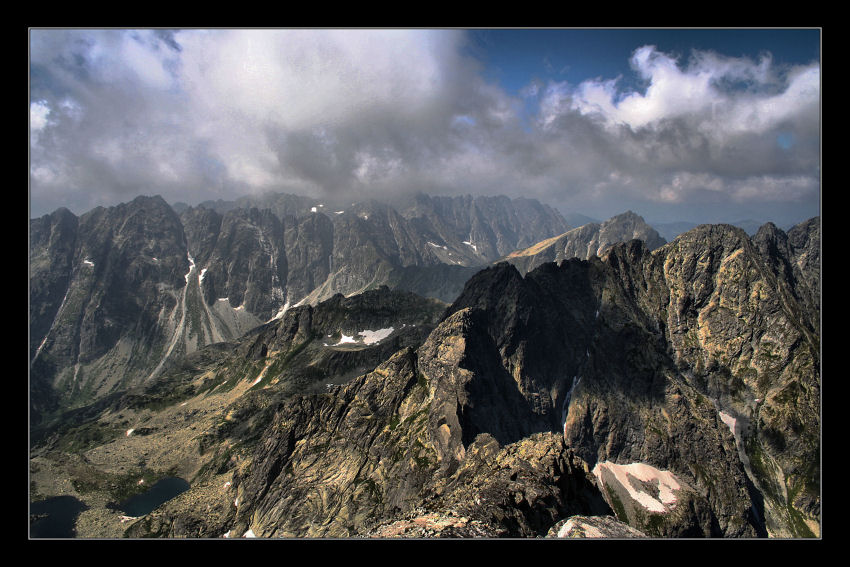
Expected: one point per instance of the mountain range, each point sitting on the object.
(457, 367)
(119, 292)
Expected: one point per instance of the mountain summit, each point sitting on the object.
(591, 239)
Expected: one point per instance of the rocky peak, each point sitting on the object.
(592, 342)
(628, 226)
(592, 239)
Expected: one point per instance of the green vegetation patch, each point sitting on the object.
(762, 468)
(119, 487)
(797, 520)
(284, 362)
(82, 438)
(617, 504)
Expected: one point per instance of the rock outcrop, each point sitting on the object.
(579, 527)
(591, 239)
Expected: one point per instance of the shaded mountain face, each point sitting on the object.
(105, 290)
(119, 293)
(591, 239)
(676, 389)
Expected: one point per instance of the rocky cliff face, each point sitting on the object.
(374, 458)
(592, 239)
(106, 292)
(751, 339)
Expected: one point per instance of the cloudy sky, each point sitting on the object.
(694, 125)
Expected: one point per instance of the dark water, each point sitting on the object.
(61, 514)
(162, 491)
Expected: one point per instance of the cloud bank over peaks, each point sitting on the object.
(206, 114)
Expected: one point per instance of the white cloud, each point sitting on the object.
(39, 111)
(297, 78)
(142, 55)
(774, 188)
(756, 114)
(670, 93)
(697, 91)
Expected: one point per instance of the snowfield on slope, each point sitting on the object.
(369, 337)
(665, 481)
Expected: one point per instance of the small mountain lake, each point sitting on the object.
(162, 491)
(55, 517)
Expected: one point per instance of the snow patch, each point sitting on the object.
(88, 262)
(468, 243)
(339, 212)
(203, 273)
(280, 313)
(370, 337)
(346, 339)
(729, 420)
(262, 374)
(437, 245)
(666, 482)
(129, 432)
(249, 533)
(313, 210)
(226, 535)
(191, 267)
